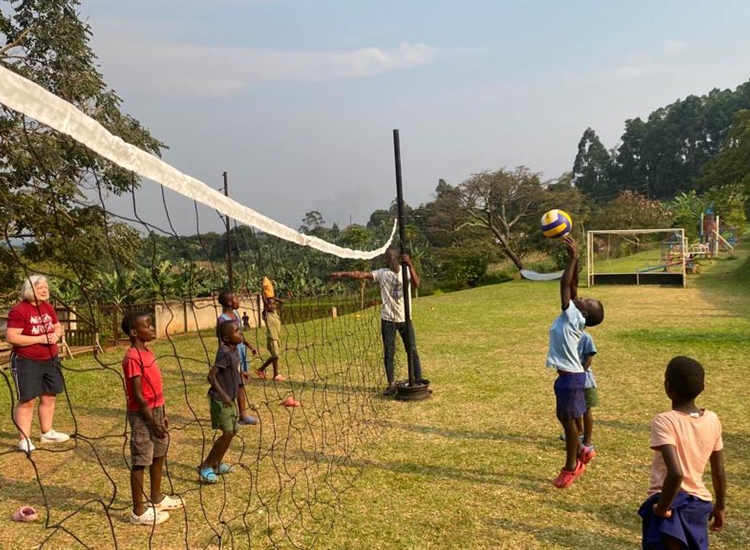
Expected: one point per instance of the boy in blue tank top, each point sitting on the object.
(564, 336)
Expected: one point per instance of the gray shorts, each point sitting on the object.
(144, 445)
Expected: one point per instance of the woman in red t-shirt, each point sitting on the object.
(34, 330)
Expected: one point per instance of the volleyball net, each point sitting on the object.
(108, 254)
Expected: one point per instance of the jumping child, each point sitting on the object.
(224, 378)
(564, 336)
(149, 439)
(229, 303)
(678, 509)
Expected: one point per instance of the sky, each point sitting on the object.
(297, 101)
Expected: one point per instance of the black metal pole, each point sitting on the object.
(402, 242)
(230, 270)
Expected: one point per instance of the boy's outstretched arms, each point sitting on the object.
(719, 479)
(351, 275)
(569, 281)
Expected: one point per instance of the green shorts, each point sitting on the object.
(591, 396)
(274, 348)
(223, 418)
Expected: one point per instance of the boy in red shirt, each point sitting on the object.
(148, 423)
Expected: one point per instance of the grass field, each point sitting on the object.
(469, 468)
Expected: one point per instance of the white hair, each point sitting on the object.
(27, 289)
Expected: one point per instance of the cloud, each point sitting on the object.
(169, 65)
(673, 47)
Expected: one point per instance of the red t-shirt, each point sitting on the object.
(143, 363)
(34, 320)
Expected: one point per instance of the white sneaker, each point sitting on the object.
(169, 503)
(54, 437)
(26, 446)
(150, 517)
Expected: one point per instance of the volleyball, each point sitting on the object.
(556, 223)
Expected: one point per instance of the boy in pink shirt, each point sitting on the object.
(676, 514)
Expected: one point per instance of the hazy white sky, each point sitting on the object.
(297, 100)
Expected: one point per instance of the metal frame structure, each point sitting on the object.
(637, 278)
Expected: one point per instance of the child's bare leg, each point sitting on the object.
(580, 426)
(242, 402)
(588, 426)
(275, 362)
(671, 543)
(155, 473)
(136, 490)
(571, 443)
(218, 451)
(265, 364)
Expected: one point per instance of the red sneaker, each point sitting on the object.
(566, 478)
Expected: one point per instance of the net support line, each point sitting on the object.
(26, 97)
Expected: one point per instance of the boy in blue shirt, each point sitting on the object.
(564, 336)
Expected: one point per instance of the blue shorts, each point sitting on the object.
(571, 403)
(688, 524)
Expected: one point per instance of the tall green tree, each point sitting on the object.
(592, 169)
(732, 165)
(46, 176)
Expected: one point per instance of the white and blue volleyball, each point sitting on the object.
(556, 223)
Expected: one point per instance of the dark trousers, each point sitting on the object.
(388, 329)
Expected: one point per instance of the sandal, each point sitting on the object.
(566, 477)
(223, 469)
(259, 373)
(25, 513)
(290, 402)
(586, 454)
(207, 475)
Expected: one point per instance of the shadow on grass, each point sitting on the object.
(514, 480)
(575, 538)
(457, 433)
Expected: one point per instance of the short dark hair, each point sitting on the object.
(225, 326)
(225, 297)
(130, 320)
(685, 377)
(595, 314)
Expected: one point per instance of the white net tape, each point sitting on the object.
(22, 95)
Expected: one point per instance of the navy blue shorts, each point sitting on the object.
(571, 403)
(688, 524)
(35, 378)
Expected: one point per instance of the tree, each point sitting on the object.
(592, 169)
(732, 165)
(45, 176)
(632, 211)
(508, 205)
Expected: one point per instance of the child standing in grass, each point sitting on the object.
(586, 352)
(229, 303)
(224, 378)
(565, 335)
(273, 330)
(148, 423)
(678, 509)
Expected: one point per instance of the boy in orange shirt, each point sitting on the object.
(676, 514)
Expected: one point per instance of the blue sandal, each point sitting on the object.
(207, 475)
(223, 469)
